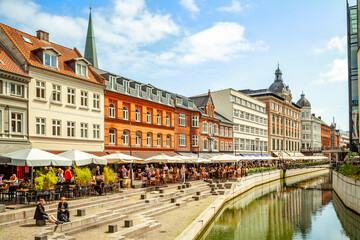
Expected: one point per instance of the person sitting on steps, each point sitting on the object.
(63, 213)
(40, 213)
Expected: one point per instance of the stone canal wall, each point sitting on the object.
(195, 229)
(348, 190)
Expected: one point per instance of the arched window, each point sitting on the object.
(125, 113)
(168, 120)
(112, 136)
(148, 117)
(158, 119)
(205, 144)
(205, 127)
(137, 115)
(149, 139)
(138, 138)
(112, 110)
(159, 138)
(215, 145)
(125, 137)
(168, 140)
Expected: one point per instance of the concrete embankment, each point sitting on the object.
(242, 185)
(348, 190)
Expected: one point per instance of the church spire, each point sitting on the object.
(90, 47)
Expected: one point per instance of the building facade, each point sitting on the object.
(249, 117)
(13, 104)
(138, 117)
(325, 134)
(66, 95)
(283, 116)
(310, 127)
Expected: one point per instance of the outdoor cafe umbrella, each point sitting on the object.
(118, 157)
(224, 158)
(188, 159)
(80, 158)
(162, 158)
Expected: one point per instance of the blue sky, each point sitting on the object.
(190, 46)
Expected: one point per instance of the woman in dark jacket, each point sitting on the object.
(40, 213)
(63, 212)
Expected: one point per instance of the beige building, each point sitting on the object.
(13, 104)
(284, 117)
(249, 117)
(66, 96)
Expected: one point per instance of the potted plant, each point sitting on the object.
(39, 181)
(109, 177)
(50, 180)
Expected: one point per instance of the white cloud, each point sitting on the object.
(234, 7)
(189, 5)
(336, 43)
(336, 73)
(221, 42)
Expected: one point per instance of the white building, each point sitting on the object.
(310, 126)
(249, 117)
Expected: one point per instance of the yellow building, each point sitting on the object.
(66, 96)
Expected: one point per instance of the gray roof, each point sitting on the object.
(278, 85)
(303, 102)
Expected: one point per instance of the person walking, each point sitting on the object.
(183, 173)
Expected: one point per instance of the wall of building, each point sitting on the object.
(62, 111)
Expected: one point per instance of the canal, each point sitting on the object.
(302, 207)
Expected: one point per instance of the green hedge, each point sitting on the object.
(260, 169)
(350, 170)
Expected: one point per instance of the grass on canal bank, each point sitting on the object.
(350, 170)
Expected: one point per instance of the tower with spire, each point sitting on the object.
(90, 47)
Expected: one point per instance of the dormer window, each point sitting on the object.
(112, 81)
(179, 101)
(191, 105)
(148, 93)
(138, 90)
(159, 95)
(81, 69)
(50, 60)
(126, 87)
(168, 99)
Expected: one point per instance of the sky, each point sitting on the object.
(191, 46)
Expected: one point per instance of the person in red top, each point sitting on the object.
(68, 176)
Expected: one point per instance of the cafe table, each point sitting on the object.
(3, 189)
(22, 193)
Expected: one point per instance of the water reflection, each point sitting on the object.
(303, 210)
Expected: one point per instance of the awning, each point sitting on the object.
(255, 155)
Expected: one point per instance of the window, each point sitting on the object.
(112, 81)
(215, 145)
(182, 120)
(16, 122)
(179, 101)
(81, 70)
(70, 129)
(71, 96)
(40, 90)
(125, 113)
(112, 110)
(168, 141)
(83, 130)
(182, 140)
(56, 128)
(138, 138)
(138, 90)
(230, 132)
(210, 128)
(40, 126)
(158, 119)
(50, 60)
(112, 136)
(159, 96)
(125, 137)
(216, 129)
(221, 131)
(149, 93)
(191, 104)
(159, 139)
(26, 39)
(16, 89)
(221, 146)
(168, 99)
(126, 87)
(230, 146)
(226, 146)
(168, 120)
(84, 99)
(195, 121)
(96, 131)
(205, 127)
(195, 140)
(148, 117)
(149, 139)
(137, 115)
(96, 101)
(226, 132)
(205, 144)
(56, 93)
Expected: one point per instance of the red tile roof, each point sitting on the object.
(9, 64)
(27, 50)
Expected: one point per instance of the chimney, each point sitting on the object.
(42, 35)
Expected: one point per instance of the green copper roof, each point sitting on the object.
(90, 47)
(322, 122)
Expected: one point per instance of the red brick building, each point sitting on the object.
(325, 134)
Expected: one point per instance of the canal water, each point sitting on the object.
(302, 207)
